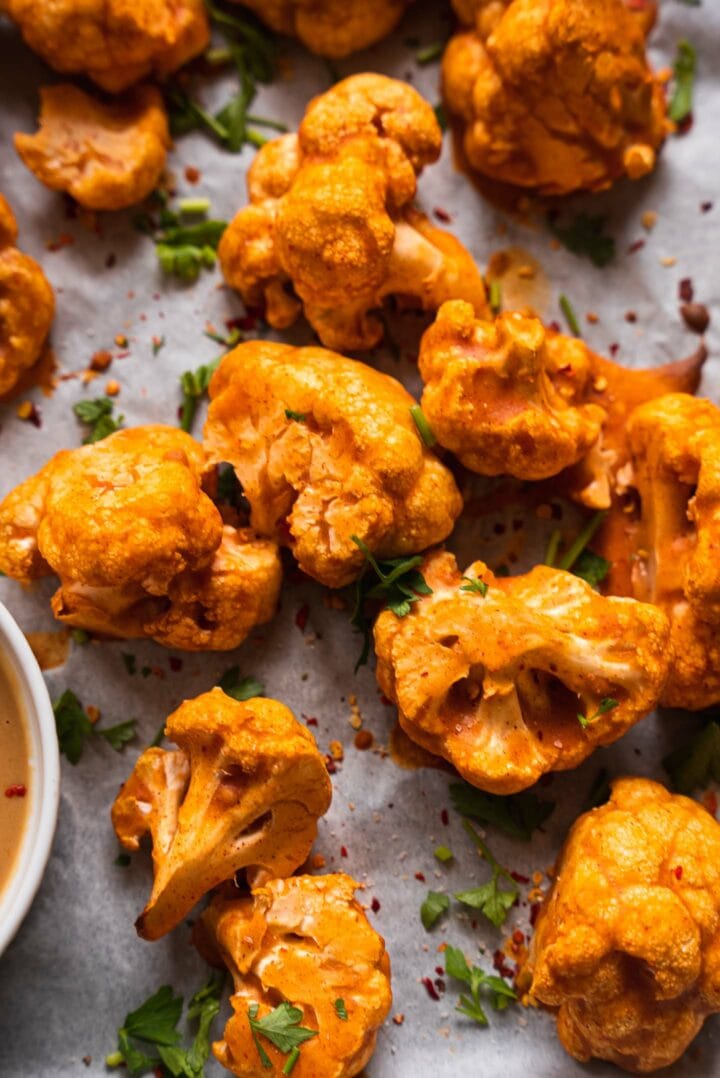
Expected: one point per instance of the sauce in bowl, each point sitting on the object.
(14, 773)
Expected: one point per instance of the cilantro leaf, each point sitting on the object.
(118, 736)
(341, 1010)
(517, 815)
(697, 762)
(97, 414)
(73, 725)
(591, 567)
(281, 1027)
(586, 237)
(240, 688)
(501, 994)
(685, 69)
(606, 704)
(433, 908)
(489, 899)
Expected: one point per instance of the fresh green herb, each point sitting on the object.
(443, 854)
(501, 994)
(576, 548)
(118, 736)
(122, 860)
(159, 737)
(432, 909)
(423, 427)
(516, 815)
(229, 487)
(591, 567)
(129, 661)
(341, 1010)
(495, 296)
(606, 704)
(697, 762)
(299, 417)
(80, 636)
(97, 414)
(489, 899)
(182, 249)
(291, 1061)
(238, 688)
(399, 584)
(474, 585)
(570, 317)
(192, 206)
(228, 340)
(73, 725)
(440, 116)
(502, 570)
(685, 69)
(430, 53)
(281, 1027)
(157, 344)
(599, 791)
(184, 260)
(586, 236)
(194, 385)
(553, 546)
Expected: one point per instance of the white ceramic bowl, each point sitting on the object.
(44, 785)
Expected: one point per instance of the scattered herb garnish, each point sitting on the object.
(685, 69)
(591, 567)
(122, 860)
(598, 792)
(240, 688)
(570, 317)
(282, 1028)
(423, 427)
(191, 206)
(606, 704)
(517, 815)
(430, 53)
(440, 116)
(443, 854)
(697, 762)
(586, 236)
(118, 736)
(97, 414)
(183, 250)
(341, 1010)
(194, 385)
(227, 340)
(432, 909)
(129, 662)
(74, 728)
(576, 548)
(501, 994)
(299, 417)
(474, 585)
(553, 547)
(495, 295)
(489, 899)
(399, 584)
(80, 636)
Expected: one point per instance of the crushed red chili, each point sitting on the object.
(301, 617)
(18, 790)
(430, 988)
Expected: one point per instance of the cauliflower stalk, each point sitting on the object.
(626, 948)
(302, 942)
(510, 678)
(326, 449)
(244, 790)
(331, 215)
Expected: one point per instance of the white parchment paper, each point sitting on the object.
(77, 967)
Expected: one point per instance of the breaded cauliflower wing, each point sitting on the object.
(27, 305)
(627, 945)
(325, 449)
(555, 95)
(332, 28)
(675, 536)
(244, 790)
(113, 42)
(495, 682)
(140, 550)
(306, 942)
(107, 156)
(331, 215)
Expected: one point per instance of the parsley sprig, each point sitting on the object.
(97, 414)
(432, 909)
(490, 898)
(282, 1028)
(694, 764)
(194, 386)
(74, 728)
(586, 236)
(397, 583)
(516, 815)
(500, 993)
(606, 704)
(240, 688)
(684, 69)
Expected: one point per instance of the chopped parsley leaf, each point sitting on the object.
(432, 909)
(299, 417)
(341, 1010)
(74, 728)
(591, 567)
(118, 736)
(586, 236)
(696, 763)
(606, 704)
(516, 815)
(97, 414)
(501, 994)
(281, 1027)
(238, 688)
(475, 585)
(489, 899)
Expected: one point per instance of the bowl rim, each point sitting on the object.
(32, 856)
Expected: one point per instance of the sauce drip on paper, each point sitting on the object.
(14, 775)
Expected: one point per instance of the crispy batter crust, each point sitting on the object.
(332, 28)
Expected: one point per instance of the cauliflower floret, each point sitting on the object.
(330, 214)
(107, 156)
(244, 791)
(514, 397)
(495, 683)
(304, 941)
(675, 445)
(555, 95)
(333, 28)
(113, 42)
(140, 550)
(627, 944)
(325, 449)
(27, 305)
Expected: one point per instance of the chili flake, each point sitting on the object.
(18, 790)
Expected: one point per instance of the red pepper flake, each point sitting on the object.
(440, 971)
(247, 322)
(519, 878)
(685, 124)
(63, 240)
(29, 413)
(442, 215)
(174, 663)
(444, 817)
(705, 207)
(384, 700)
(343, 851)
(534, 912)
(192, 174)
(555, 326)
(518, 937)
(310, 720)
(302, 616)
(430, 988)
(440, 984)
(19, 790)
(614, 349)
(710, 802)
(678, 870)
(419, 876)
(501, 966)
(330, 765)
(637, 245)
(686, 292)
(375, 907)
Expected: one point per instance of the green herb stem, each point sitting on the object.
(570, 317)
(576, 548)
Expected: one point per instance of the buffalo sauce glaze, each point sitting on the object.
(14, 775)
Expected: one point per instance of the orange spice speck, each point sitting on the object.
(112, 388)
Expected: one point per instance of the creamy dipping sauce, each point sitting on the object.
(14, 774)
